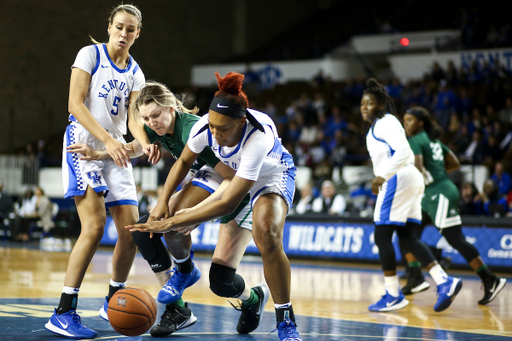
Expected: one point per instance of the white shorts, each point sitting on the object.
(208, 179)
(399, 200)
(117, 184)
(282, 184)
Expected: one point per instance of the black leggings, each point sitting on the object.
(453, 236)
(407, 235)
(458, 241)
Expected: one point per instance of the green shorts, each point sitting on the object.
(242, 214)
(441, 202)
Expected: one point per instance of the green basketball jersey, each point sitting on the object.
(433, 156)
(176, 142)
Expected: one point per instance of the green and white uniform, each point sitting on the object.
(441, 199)
(202, 173)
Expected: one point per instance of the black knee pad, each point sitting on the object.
(153, 249)
(225, 282)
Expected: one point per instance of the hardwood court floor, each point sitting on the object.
(330, 300)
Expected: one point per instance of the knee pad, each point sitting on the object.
(153, 249)
(225, 282)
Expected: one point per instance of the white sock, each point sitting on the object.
(283, 305)
(391, 284)
(180, 260)
(70, 290)
(117, 284)
(438, 274)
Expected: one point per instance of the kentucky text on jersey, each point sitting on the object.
(113, 84)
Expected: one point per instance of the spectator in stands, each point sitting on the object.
(309, 133)
(454, 124)
(474, 153)
(445, 103)
(294, 130)
(502, 179)
(491, 151)
(27, 203)
(319, 105)
(318, 78)
(304, 205)
(505, 114)
(292, 111)
(451, 75)
(467, 205)
(44, 211)
(437, 72)
(474, 76)
(395, 89)
(338, 151)
(26, 214)
(41, 153)
(328, 201)
(489, 202)
(271, 110)
(305, 106)
(6, 204)
(335, 122)
(465, 103)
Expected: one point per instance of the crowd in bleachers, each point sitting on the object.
(320, 122)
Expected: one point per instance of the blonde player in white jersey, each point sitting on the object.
(104, 79)
(399, 188)
(246, 140)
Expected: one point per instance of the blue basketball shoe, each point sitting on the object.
(389, 303)
(287, 331)
(104, 310)
(173, 289)
(68, 325)
(446, 293)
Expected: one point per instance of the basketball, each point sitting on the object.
(132, 311)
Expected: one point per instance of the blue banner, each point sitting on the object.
(354, 241)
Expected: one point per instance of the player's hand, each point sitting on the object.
(377, 184)
(153, 152)
(154, 226)
(186, 229)
(87, 152)
(185, 210)
(159, 212)
(118, 152)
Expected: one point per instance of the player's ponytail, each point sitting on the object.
(231, 100)
(230, 89)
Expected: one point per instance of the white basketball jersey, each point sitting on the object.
(388, 146)
(109, 92)
(257, 154)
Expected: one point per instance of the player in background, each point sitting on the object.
(399, 187)
(104, 80)
(441, 201)
(246, 140)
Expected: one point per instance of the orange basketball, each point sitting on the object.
(132, 311)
